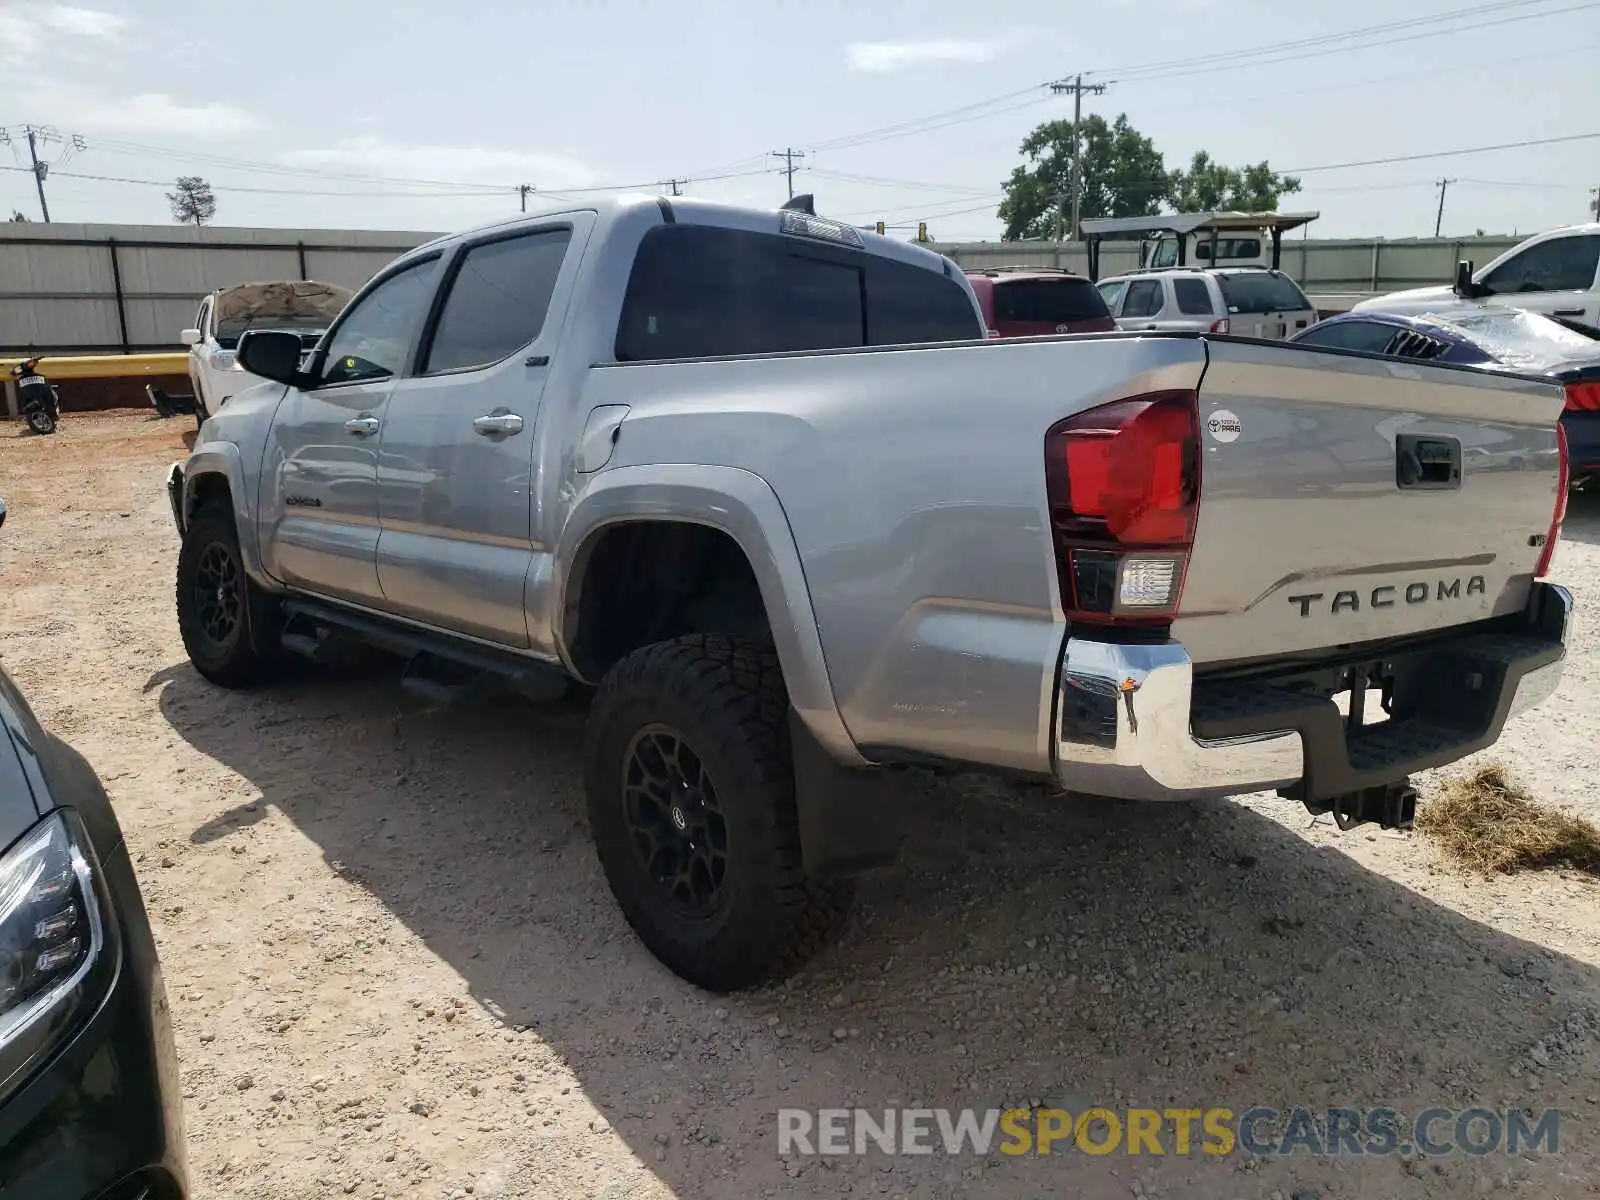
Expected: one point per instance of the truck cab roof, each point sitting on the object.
(611, 210)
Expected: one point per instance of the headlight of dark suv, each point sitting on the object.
(54, 956)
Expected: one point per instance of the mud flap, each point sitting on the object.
(850, 820)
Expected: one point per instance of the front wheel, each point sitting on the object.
(692, 807)
(229, 625)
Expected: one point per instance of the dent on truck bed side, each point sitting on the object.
(740, 504)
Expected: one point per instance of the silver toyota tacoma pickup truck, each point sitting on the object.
(759, 479)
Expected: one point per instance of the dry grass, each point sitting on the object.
(1487, 823)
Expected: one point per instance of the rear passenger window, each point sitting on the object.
(1193, 296)
(907, 304)
(498, 300)
(1143, 299)
(1370, 336)
(699, 292)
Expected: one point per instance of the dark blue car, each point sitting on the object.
(1496, 338)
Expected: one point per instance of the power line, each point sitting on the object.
(1398, 158)
(229, 187)
(1326, 50)
(871, 134)
(1317, 41)
(884, 181)
(481, 190)
(1207, 64)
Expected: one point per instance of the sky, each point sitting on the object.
(427, 116)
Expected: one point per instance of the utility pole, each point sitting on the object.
(40, 170)
(1438, 221)
(1077, 87)
(789, 155)
(674, 184)
(522, 190)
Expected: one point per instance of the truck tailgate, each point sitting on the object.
(1316, 530)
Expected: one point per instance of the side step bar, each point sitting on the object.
(439, 667)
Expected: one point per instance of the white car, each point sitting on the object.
(1555, 273)
(302, 307)
(1246, 301)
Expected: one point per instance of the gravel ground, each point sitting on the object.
(396, 971)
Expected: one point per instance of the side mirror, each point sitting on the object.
(1464, 287)
(190, 337)
(272, 354)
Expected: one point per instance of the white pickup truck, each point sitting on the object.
(762, 480)
(1556, 273)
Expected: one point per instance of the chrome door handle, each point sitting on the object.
(499, 423)
(362, 426)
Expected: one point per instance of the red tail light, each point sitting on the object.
(1123, 482)
(1221, 326)
(1583, 397)
(1563, 480)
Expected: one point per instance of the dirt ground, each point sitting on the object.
(396, 971)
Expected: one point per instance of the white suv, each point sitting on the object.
(1247, 301)
(302, 307)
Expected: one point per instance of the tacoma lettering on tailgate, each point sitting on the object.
(1387, 596)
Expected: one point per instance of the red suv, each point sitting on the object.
(1030, 301)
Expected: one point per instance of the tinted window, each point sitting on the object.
(1048, 301)
(1229, 248)
(1564, 264)
(372, 339)
(1261, 292)
(1193, 296)
(906, 303)
(1144, 298)
(498, 300)
(698, 291)
(1349, 335)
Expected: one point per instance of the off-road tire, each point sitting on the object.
(725, 698)
(250, 653)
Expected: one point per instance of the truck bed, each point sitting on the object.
(913, 482)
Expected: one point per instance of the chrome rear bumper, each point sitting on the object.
(1124, 731)
(1126, 714)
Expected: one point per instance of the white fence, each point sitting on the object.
(129, 288)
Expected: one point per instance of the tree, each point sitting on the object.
(18, 215)
(1123, 176)
(1208, 185)
(192, 201)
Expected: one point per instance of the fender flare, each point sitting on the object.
(223, 458)
(742, 505)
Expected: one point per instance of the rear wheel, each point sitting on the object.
(691, 803)
(41, 421)
(230, 626)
